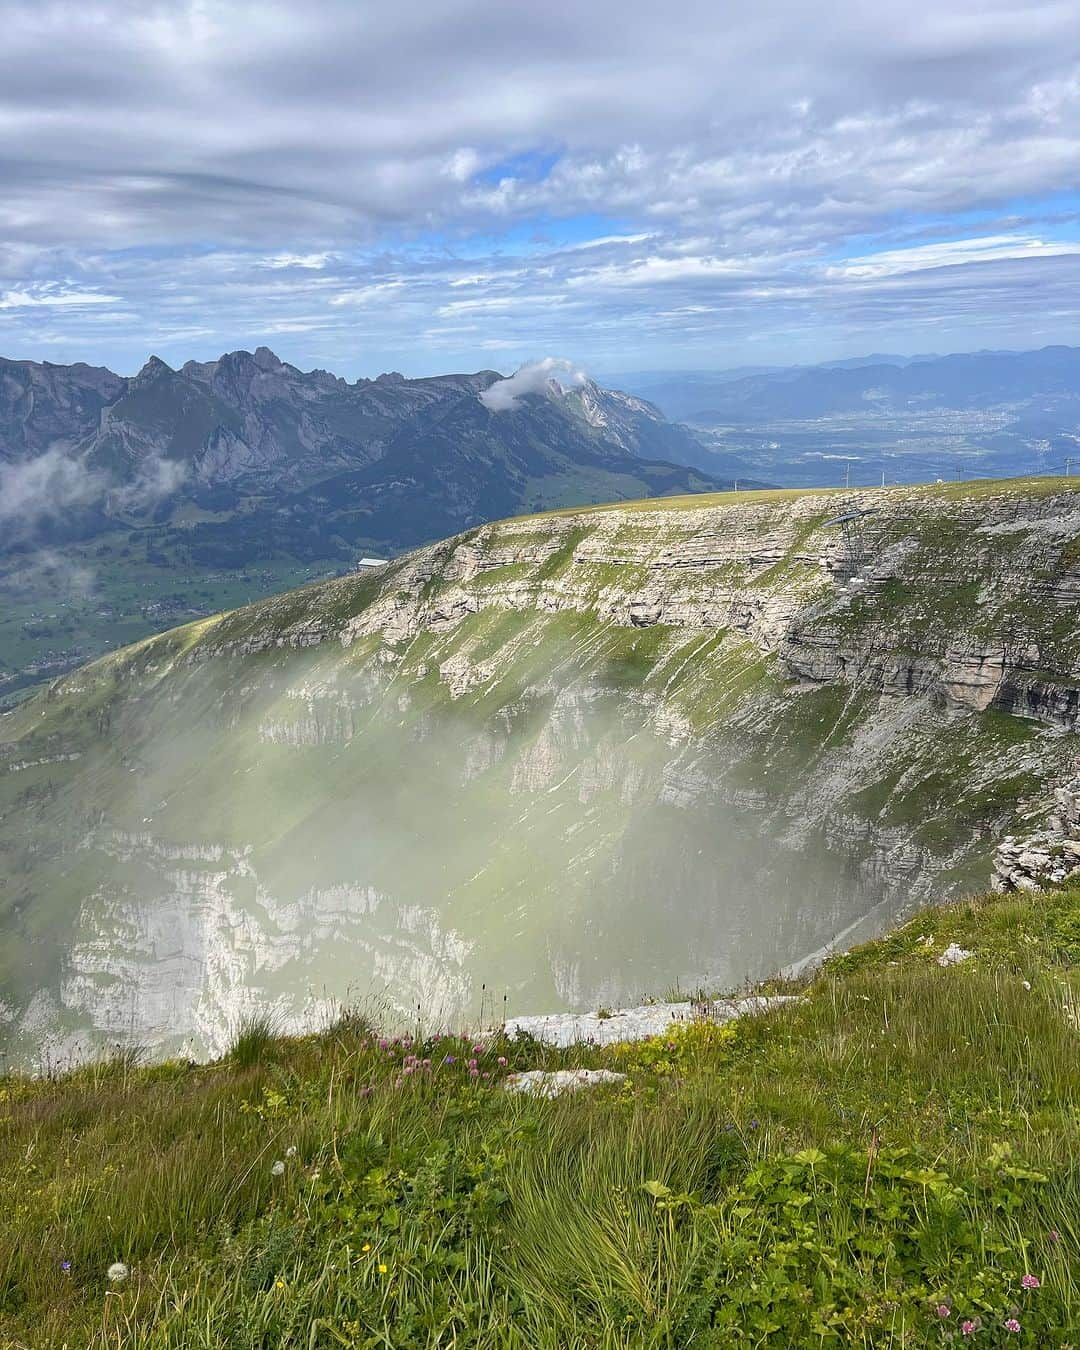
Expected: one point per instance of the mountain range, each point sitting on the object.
(1044, 382)
(246, 456)
(127, 504)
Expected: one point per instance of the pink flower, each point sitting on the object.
(478, 1049)
(501, 1061)
(968, 1328)
(474, 1073)
(1031, 1282)
(1012, 1324)
(943, 1310)
(472, 1064)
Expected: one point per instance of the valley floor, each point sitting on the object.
(892, 1161)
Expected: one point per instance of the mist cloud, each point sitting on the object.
(42, 489)
(40, 492)
(551, 375)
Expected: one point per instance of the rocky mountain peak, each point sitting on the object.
(265, 359)
(154, 369)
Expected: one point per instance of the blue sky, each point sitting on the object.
(462, 184)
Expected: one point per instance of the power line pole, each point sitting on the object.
(1068, 466)
(847, 474)
(883, 478)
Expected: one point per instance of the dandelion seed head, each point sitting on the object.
(118, 1272)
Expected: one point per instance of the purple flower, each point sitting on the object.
(448, 1059)
(943, 1310)
(1031, 1282)
(474, 1073)
(478, 1049)
(968, 1328)
(1012, 1324)
(65, 1266)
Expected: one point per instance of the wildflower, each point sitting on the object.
(278, 1169)
(478, 1049)
(501, 1061)
(65, 1267)
(474, 1073)
(943, 1310)
(754, 1123)
(448, 1059)
(472, 1064)
(968, 1328)
(384, 1044)
(1030, 1282)
(366, 1247)
(1054, 1235)
(1012, 1324)
(118, 1272)
(290, 1152)
(382, 1270)
(1026, 984)
(279, 1283)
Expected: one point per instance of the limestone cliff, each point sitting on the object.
(571, 759)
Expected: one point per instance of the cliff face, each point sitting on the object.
(572, 759)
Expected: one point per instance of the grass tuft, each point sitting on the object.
(255, 1042)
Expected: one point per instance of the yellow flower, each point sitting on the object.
(382, 1270)
(279, 1284)
(366, 1247)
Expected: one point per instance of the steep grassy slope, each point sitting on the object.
(892, 1162)
(571, 759)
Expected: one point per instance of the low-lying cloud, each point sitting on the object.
(41, 490)
(552, 375)
(39, 493)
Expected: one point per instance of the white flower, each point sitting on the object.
(1027, 984)
(278, 1169)
(290, 1152)
(118, 1272)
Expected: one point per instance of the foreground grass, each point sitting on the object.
(893, 1162)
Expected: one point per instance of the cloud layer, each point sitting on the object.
(427, 186)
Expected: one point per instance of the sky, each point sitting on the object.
(464, 184)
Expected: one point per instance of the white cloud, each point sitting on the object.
(552, 375)
(53, 295)
(362, 294)
(955, 253)
(312, 262)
